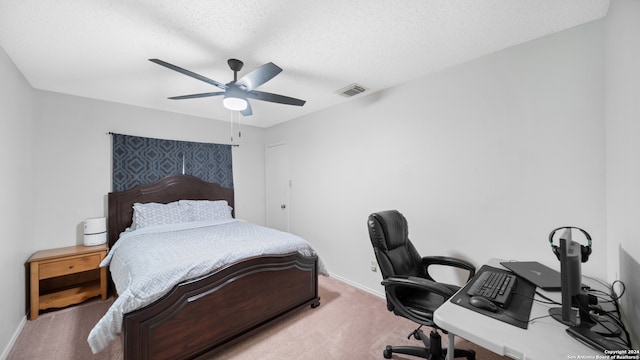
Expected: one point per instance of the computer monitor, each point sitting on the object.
(571, 284)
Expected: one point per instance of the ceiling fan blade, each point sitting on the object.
(259, 76)
(189, 73)
(247, 111)
(194, 96)
(281, 99)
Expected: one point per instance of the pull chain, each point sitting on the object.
(235, 116)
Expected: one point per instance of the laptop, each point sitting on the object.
(540, 275)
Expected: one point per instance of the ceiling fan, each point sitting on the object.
(237, 92)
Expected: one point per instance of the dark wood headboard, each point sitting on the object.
(165, 190)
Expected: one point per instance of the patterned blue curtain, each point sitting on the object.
(140, 160)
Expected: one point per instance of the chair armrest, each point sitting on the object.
(418, 283)
(449, 261)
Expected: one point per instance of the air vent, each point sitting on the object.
(351, 90)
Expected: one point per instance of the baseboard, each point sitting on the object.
(14, 338)
(356, 285)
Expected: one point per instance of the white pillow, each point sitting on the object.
(201, 210)
(153, 214)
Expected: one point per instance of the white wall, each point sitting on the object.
(72, 154)
(623, 126)
(484, 159)
(623, 151)
(16, 124)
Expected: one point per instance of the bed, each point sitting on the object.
(200, 315)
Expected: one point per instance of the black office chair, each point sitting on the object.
(411, 292)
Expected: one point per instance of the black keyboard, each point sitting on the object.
(495, 286)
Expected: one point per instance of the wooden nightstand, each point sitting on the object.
(66, 276)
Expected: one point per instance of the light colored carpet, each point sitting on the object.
(349, 324)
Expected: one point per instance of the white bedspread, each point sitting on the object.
(145, 264)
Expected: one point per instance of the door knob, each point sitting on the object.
(283, 206)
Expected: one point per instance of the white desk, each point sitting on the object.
(544, 339)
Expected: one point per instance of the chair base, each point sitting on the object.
(432, 349)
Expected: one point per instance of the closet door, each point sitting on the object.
(277, 186)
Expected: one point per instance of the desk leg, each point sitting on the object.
(450, 346)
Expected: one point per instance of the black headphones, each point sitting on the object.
(585, 251)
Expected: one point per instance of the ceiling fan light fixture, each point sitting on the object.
(234, 103)
(234, 99)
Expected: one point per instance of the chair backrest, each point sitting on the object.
(396, 255)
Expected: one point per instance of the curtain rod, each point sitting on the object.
(112, 133)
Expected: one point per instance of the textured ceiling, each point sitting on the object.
(99, 48)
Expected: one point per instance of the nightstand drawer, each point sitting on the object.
(69, 266)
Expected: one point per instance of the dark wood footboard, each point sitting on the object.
(198, 316)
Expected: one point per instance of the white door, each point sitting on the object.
(277, 186)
